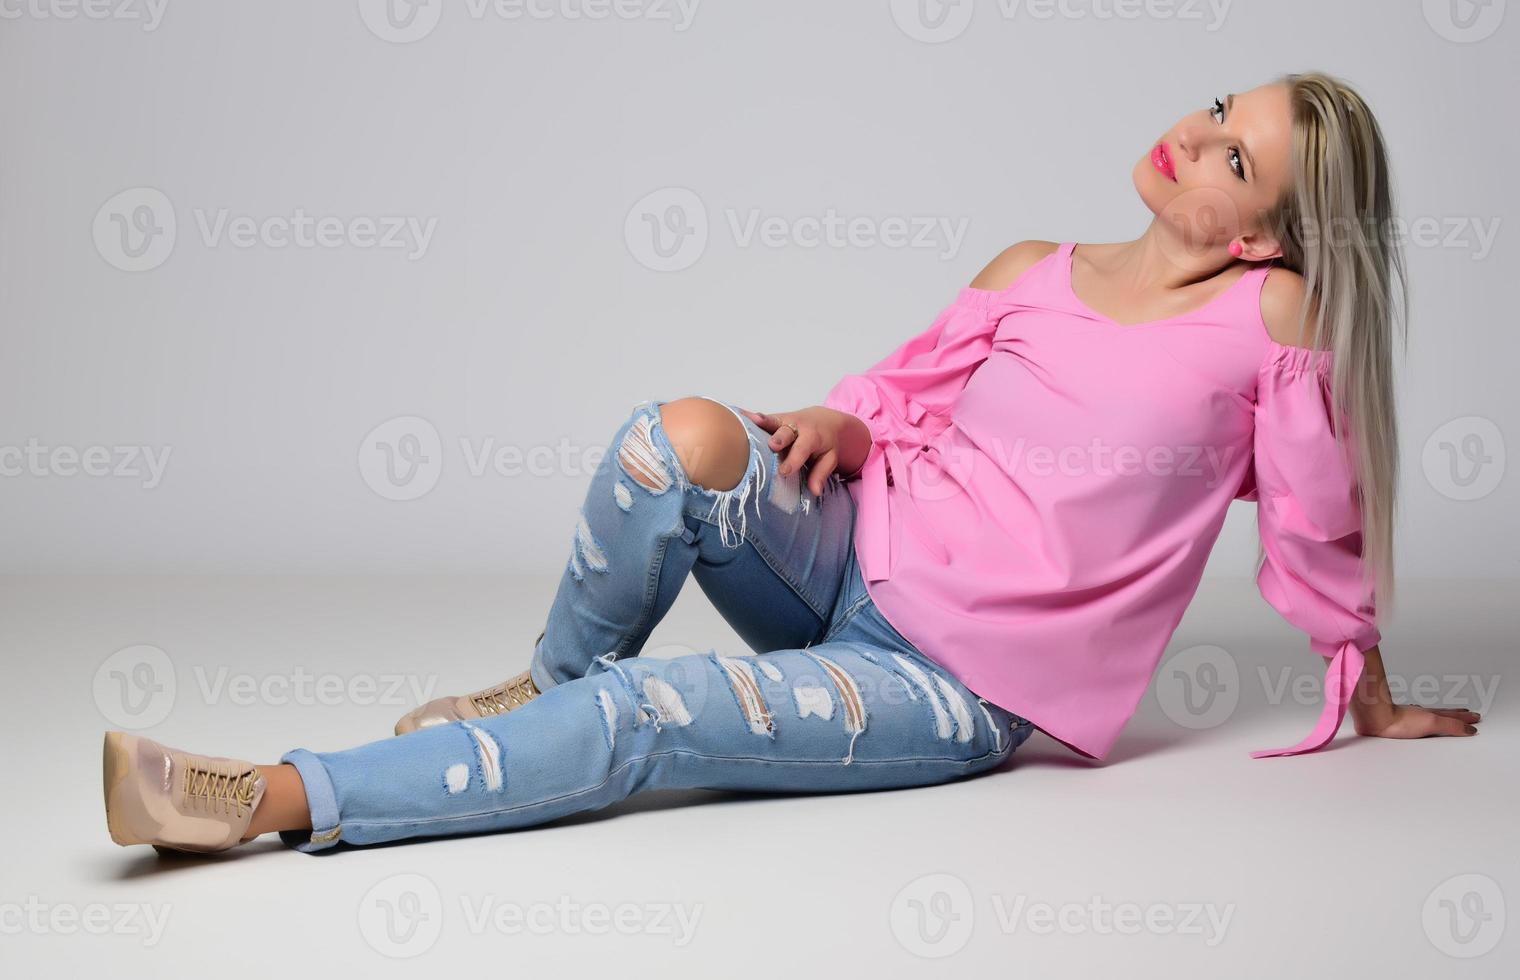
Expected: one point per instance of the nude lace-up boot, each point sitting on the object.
(514, 692)
(176, 800)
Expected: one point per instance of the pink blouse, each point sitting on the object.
(1044, 486)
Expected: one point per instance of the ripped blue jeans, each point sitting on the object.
(835, 700)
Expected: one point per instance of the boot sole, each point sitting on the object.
(116, 769)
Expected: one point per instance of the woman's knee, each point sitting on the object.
(711, 442)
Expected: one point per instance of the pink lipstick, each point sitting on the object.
(1162, 161)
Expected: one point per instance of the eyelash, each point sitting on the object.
(1241, 173)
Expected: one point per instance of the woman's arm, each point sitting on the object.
(1374, 713)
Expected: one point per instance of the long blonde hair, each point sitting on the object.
(1335, 228)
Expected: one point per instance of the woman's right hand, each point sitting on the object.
(825, 440)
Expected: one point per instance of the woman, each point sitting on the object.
(1000, 527)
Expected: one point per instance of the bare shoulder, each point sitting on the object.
(1011, 263)
(1281, 296)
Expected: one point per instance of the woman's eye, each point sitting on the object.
(1238, 167)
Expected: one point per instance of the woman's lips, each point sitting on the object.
(1162, 161)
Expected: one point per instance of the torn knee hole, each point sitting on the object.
(641, 459)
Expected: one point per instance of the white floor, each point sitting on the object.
(1179, 857)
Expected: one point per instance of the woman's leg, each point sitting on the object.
(687, 486)
(767, 552)
(842, 715)
(863, 709)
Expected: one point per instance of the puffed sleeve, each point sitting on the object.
(906, 397)
(1310, 524)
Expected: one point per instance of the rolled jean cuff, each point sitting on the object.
(542, 679)
(320, 798)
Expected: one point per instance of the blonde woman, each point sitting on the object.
(994, 529)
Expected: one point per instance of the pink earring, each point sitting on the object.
(1235, 248)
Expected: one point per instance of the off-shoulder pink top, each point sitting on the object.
(1044, 486)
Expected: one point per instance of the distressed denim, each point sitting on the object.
(836, 699)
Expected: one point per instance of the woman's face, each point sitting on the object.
(1214, 175)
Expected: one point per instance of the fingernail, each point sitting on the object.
(1471, 730)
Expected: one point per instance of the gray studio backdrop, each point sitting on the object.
(311, 287)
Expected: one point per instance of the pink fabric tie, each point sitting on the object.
(877, 556)
(1341, 677)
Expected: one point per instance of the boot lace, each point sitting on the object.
(216, 790)
(512, 693)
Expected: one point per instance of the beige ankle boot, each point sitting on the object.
(514, 692)
(177, 800)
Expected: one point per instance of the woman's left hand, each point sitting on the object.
(824, 440)
(1374, 713)
(1415, 721)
